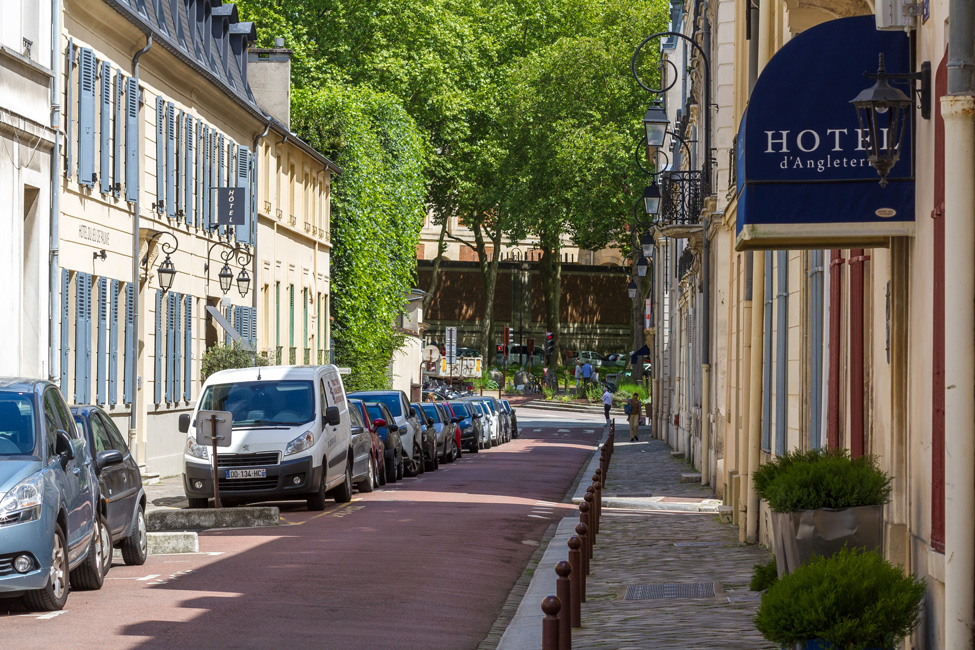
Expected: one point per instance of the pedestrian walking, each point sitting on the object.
(586, 374)
(634, 416)
(607, 402)
(578, 373)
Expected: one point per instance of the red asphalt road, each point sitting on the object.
(423, 563)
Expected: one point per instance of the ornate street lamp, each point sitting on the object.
(882, 112)
(651, 199)
(166, 270)
(631, 289)
(646, 242)
(641, 266)
(655, 123)
(226, 276)
(243, 283)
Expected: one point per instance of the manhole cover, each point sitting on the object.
(674, 590)
(692, 544)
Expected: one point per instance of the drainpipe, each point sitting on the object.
(134, 357)
(254, 220)
(758, 322)
(706, 360)
(54, 356)
(958, 110)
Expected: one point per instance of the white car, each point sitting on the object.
(291, 437)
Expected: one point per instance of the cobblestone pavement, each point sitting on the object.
(654, 548)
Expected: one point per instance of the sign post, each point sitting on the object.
(214, 428)
(450, 351)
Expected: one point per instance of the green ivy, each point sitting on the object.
(377, 211)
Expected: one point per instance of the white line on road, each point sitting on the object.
(148, 578)
(538, 516)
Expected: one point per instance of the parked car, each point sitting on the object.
(511, 416)
(386, 427)
(51, 534)
(364, 442)
(594, 358)
(292, 437)
(458, 449)
(481, 412)
(617, 360)
(445, 428)
(428, 437)
(378, 435)
(491, 417)
(123, 499)
(469, 423)
(408, 422)
(517, 355)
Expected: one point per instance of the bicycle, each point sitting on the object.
(532, 386)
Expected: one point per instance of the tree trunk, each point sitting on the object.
(489, 275)
(638, 306)
(551, 270)
(435, 274)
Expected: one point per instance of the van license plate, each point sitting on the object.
(246, 473)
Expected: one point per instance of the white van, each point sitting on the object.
(291, 437)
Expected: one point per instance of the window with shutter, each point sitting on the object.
(230, 319)
(113, 343)
(178, 169)
(205, 178)
(101, 365)
(160, 155)
(170, 344)
(105, 131)
(69, 104)
(65, 329)
(291, 316)
(131, 140)
(170, 160)
(221, 163)
(177, 345)
(277, 314)
(242, 180)
(304, 317)
(157, 366)
(189, 214)
(188, 349)
(82, 337)
(129, 350)
(86, 117)
(117, 140)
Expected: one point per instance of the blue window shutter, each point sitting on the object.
(105, 131)
(157, 383)
(68, 105)
(170, 344)
(177, 346)
(113, 343)
(170, 161)
(89, 283)
(129, 350)
(242, 180)
(221, 165)
(188, 349)
(189, 214)
(205, 179)
(131, 140)
(160, 155)
(230, 319)
(101, 378)
(81, 345)
(65, 330)
(117, 141)
(178, 168)
(86, 117)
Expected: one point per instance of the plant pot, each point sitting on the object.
(798, 535)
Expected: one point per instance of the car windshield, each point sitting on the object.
(17, 430)
(390, 400)
(263, 402)
(431, 411)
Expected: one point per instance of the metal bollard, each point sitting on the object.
(563, 589)
(590, 522)
(597, 483)
(576, 581)
(582, 530)
(550, 624)
(583, 562)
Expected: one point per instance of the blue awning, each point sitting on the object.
(802, 170)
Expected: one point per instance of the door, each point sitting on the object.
(77, 475)
(361, 443)
(113, 480)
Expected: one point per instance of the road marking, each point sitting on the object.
(321, 514)
(538, 516)
(563, 430)
(51, 615)
(530, 542)
(148, 578)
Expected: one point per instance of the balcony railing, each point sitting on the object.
(292, 356)
(681, 198)
(307, 361)
(277, 355)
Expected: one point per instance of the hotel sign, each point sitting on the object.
(804, 180)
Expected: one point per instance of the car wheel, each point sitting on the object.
(392, 469)
(448, 457)
(343, 493)
(317, 500)
(400, 466)
(53, 596)
(370, 483)
(475, 447)
(433, 461)
(90, 574)
(415, 463)
(198, 502)
(383, 474)
(135, 547)
(458, 451)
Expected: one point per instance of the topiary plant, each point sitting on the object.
(821, 478)
(852, 600)
(222, 357)
(764, 576)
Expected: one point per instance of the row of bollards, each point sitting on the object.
(564, 610)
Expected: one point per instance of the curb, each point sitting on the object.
(204, 518)
(559, 406)
(172, 543)
(657, 503)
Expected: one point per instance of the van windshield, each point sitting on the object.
(17, 431)
(285, 403)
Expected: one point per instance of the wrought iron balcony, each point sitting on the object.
(681, 201)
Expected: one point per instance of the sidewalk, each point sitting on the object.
(643, 553)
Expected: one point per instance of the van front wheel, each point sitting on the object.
(317, 500)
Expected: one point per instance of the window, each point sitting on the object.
(118, 442)
(263, 402)
(17, 430)
(99, 435)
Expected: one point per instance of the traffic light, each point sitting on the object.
(549, 343)
(511, 336)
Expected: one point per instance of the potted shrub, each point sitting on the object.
(822, 500)
(852, 600)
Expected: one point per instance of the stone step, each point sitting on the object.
(690, 477)
(676, 454)
(204, 518)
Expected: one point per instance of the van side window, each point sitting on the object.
(321, 389)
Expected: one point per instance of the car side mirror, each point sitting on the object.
(402, 430)
(430, 422)
(107, 457)
(378, 422)
(332, 416)
(455, 420)
(63, 446)
(184, 422)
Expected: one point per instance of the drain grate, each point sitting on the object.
(673, 590)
